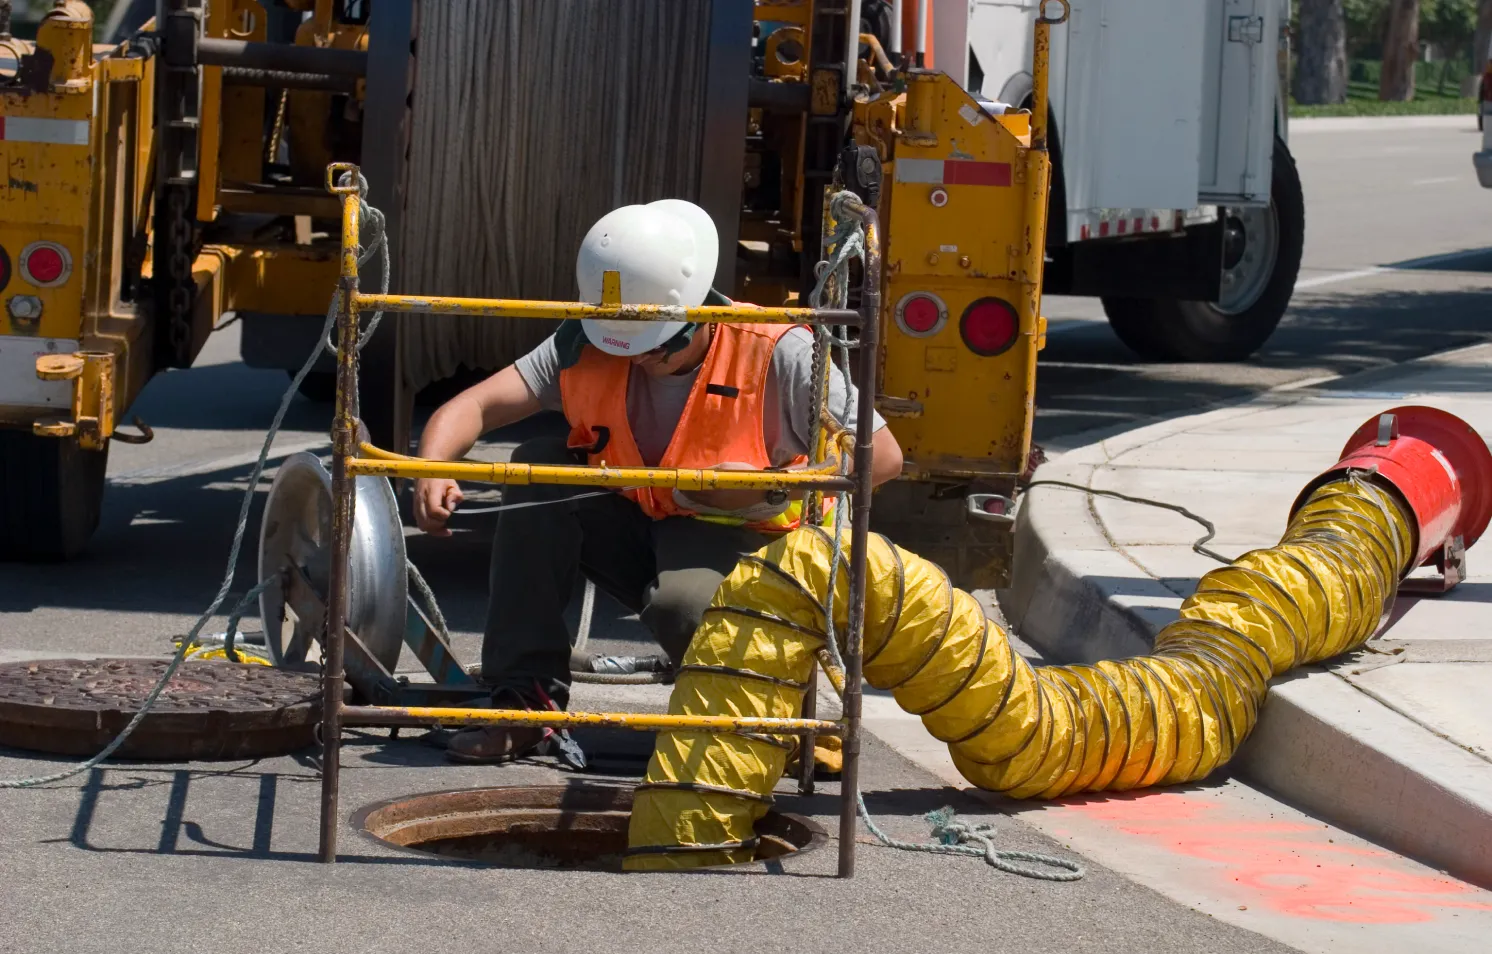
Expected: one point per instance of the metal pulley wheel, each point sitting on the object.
(296, 532)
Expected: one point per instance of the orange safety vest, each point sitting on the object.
(721, 421)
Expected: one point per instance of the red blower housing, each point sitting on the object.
(1439, 467)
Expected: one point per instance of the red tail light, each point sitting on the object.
(45, 264)
(921, 314)
(989, 327)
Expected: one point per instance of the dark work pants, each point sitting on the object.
(664, 570)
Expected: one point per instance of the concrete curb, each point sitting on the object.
(1345, 756)
(1320, 743)
(1319, 124)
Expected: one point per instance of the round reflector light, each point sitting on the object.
(921, 314)
(989, 327)
(45, 263)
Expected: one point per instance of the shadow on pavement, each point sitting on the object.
(181, 836)
(1087, 380)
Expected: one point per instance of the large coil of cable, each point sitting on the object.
(532, 119)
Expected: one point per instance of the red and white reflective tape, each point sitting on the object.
(62, 132)
(1087, 223)
(953, 172)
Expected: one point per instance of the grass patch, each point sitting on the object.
(1429, 106)
(1437, 92)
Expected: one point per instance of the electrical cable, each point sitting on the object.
(1200, 545)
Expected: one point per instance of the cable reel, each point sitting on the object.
(295, 546)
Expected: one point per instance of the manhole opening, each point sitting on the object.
(581, 827)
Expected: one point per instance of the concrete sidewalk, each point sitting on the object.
(1394, 741)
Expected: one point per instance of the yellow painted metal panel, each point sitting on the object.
(959, 226)
(45, 195)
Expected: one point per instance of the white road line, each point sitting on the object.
(1436, 180)
(1409, 266)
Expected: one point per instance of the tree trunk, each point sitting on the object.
(1483, 37)
(1400, 50)
(1321, 53)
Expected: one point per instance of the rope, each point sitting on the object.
(848, 242)
(973, 841)
(427, 596)
(587, 611)
(375, 221)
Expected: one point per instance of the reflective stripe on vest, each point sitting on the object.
(722, 420)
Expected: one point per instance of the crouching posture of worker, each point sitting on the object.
(666, 394)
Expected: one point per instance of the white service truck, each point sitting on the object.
(1174, 196)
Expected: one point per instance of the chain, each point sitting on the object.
(272, 155)
(180, 288)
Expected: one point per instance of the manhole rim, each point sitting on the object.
(818, 835)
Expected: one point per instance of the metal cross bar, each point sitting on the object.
(581, 476)
(640, 721)
(377, 462)
(512, 308)
(352, 458)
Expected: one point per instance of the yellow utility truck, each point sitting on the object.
(158, 183)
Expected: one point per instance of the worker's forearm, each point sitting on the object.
(452, 430)
(500, 400)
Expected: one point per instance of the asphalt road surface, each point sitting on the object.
(1398, 264)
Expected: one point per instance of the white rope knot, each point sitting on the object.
(373, 222)
(848, 241)
(954, 837)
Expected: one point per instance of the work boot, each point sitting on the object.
(498, 743)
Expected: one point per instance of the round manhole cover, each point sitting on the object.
(211, 709)
(579, 827)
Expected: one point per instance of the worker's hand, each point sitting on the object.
(435, 499)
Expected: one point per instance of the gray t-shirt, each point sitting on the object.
(654, 404)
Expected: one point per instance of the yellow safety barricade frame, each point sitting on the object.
(352, 458)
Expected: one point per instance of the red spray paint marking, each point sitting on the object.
(1285, 864)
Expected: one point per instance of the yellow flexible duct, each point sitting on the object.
(1030, 732)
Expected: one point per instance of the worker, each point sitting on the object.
(635, 393)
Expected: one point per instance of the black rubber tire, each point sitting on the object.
(319, 387)
(1161, 329)
(54, 492)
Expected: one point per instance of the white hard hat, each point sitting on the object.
(666, 253)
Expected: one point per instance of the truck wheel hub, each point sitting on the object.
(1251, 240)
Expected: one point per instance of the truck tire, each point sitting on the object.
(54, 493)
(1261, 259)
